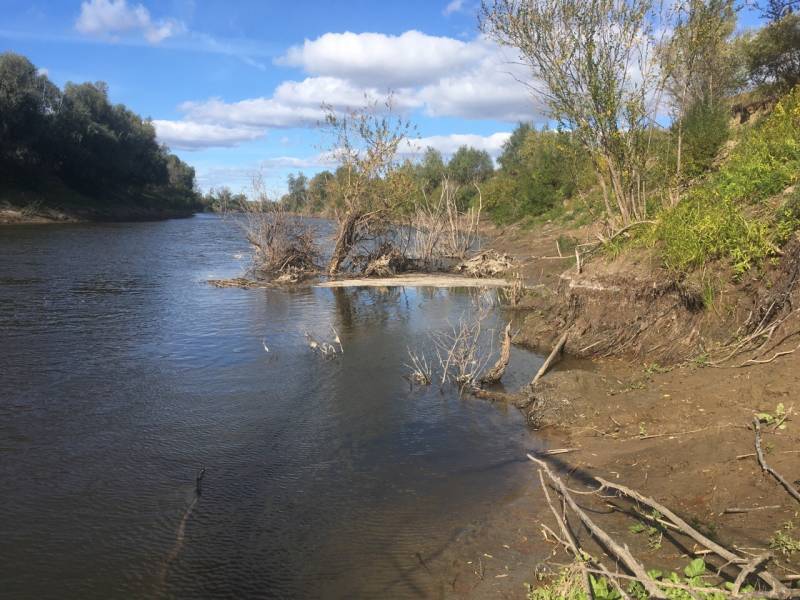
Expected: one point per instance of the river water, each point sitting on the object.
(123, 373)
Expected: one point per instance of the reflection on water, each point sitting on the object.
(123, 373)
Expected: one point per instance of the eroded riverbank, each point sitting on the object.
(681, 434)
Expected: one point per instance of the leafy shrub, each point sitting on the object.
(539, 170)
(705, 129)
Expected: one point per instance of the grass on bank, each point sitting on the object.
(687, 585)
(737, 213)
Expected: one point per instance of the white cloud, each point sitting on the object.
(492, 88)
(293, 104)
(449, 144)
(252, 113)
(190, 135)
(339, 93)
(292, 162)
(479, 83)
(109, 18)
(451, 78)
(453, 7)
(376, 59)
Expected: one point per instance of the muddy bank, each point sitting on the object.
(681, 437)
(642, 414)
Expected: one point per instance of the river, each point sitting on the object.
(123, 373)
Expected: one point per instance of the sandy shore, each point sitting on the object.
(417, 280)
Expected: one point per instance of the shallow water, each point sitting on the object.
(124, 373)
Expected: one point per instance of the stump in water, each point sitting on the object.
(495, 374)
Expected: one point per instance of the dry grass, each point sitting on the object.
(438, 228)
(283, 244)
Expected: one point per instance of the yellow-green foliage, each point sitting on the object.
(726, 215)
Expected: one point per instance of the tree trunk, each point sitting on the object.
(344, 240)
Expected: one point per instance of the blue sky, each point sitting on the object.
(235, 88)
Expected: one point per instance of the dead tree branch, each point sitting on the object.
(554, 355)
(620, 551)
(767, 469)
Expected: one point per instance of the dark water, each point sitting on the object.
(122, 373)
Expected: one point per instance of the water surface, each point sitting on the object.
(122, 373)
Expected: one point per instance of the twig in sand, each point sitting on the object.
(751, 454)
(670, 434)
(736, 510)
(754, 361)
(568, 535)
(777, 587)
(767, 469)
(557, 451)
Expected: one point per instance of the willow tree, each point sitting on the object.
(697, 60)
(366, 145)
(594, 64)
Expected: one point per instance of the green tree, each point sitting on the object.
(431, 169)
(79, 137)
(775, 10)
(297, 197)
(581, 54)
(705, 129)
(28, 101)
(539, 170)
(469, 165)
(698, 63)
(773, 54)
(319, 196)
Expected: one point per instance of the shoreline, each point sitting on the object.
(679, 433)
(15, 216)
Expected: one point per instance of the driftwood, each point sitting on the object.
(489, 263)
(620, 551)
(556, 353)
(748, 567)
(767, 469)
(572, 543)
(495, 374)
(736, 510)
(777, 587)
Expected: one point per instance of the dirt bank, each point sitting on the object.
(14, 216)
(681, 434)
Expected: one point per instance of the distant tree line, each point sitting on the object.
(466, 167)
(77, 136)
